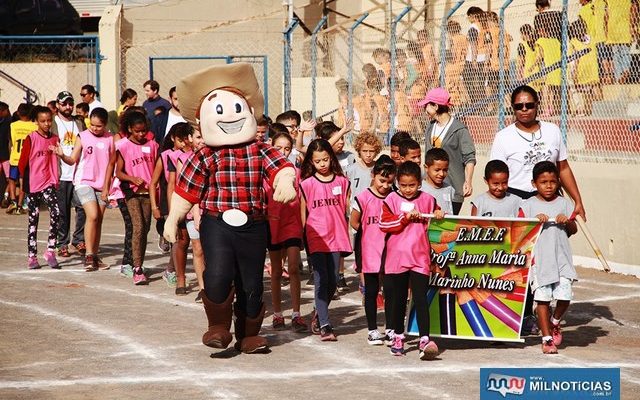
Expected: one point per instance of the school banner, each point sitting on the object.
(479, 276)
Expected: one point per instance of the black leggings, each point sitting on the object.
(419, 285)
(371, 289)
(234, 256)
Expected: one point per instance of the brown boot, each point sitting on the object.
(219, 316)
(247, 329)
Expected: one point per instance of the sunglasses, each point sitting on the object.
(521, 106)
(84, 94)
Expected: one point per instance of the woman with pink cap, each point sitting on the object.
(448, 133)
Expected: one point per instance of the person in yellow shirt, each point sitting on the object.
(20, 129)
(585, 69)
(527, 57)
(548, 53)
(129, 98)
(620, 14)
(593, 13)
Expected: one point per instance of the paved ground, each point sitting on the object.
(74, 335)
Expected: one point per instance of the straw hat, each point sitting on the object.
(192, 88)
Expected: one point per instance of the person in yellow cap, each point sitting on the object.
(226, 179)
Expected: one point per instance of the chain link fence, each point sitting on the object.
(34, 69)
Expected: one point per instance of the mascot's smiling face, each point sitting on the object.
(226, 119)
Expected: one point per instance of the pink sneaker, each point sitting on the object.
(139, 278)
(557, 334)
(428, 349)
(549, 347)
(50, 256)
(33, 263)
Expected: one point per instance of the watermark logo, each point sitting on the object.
(504, 384)
(549, 383)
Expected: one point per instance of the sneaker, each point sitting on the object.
(81, 248)
(375, 338)
(199, 297)
(557, 334)
(33, 263)
(139, 278)
(90, 264)
(310, 281)
(529, 326)
(342, 284)
(298, 325)
(327, 335)
(50, 256)
(164, 245)
(549, 347)
(428, 349)
(278, 322)
(11, 208)
(389, 334)
(63, 251)
(397, 347)
(181, 291)
(315, 323)
(126, 270)
(170, 278)
(19, 211)
(101, 264)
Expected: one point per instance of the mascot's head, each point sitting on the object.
(222, 102)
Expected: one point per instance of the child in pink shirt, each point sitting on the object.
(407, 254)
(365, 216)
(325, 193)
(39, 178)
(136, 158)
(92, 152)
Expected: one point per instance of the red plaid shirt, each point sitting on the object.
(220, 179)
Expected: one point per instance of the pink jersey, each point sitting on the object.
(182, 159)
(43, 163)
(139, 161)
(326, 206)
(115, 192)
(372, 238)
(172, 155)
(94, 160)
(285, 221)
(407, 246)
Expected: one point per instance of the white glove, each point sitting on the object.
(179, 209)
(283, 185)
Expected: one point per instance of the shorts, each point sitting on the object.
(194, 234)
(5, 168)
(561, 290)
(84, 194)
(14, 172)
(292, 242)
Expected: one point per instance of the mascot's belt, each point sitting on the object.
(235, 217)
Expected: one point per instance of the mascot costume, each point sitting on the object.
(226, 179)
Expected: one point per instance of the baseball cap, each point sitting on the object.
(437, 96)
(64, 96)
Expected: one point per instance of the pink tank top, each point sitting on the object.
(94, 160)
(115, 192)
(326, 229)
(139, 161)
(372, 239)
(169, 155)
(409, 250)
(43, 163)
(285, 221)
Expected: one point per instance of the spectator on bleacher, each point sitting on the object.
(494, 53)
(525, 64)
(548, 53)
(82, 113)
(584, 70)
(620, 33)
(382, 57)
(431, 64)
(456, 54)
(154, 100)
(594, 14)
(552, 19)
(88, 95)
(162, 122)
(475, 60)
(528, 141)
(129, 98)
(448, 133)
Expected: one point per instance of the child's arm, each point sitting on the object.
(75, 154)
(305, 126)
(570, 225)
(303, 211)
(390, 222)
(354, 219)
(539, 59)
(25, 152)
(348, 126)
(171, 185)
(155, 178)
(474, 210)
(108, 177)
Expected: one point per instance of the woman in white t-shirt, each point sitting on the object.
(528, 141)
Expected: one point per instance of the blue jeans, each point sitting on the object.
(325, 277)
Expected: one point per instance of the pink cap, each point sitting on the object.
(437, 96)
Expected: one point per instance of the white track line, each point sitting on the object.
(607, 298)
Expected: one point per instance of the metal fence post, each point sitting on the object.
(392, 84)
(501, 77)
(314, 60)
(98, 60)
(265, 85)
(443, 40)
(287, 62)
(563, 86)
(350, 68)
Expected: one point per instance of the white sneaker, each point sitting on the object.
(375, 338)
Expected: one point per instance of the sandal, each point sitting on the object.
(181, 291)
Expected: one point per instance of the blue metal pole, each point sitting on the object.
(443, 40)
(350, 69)
(265, 84)
(501, 111)
(286, 62)
(564, 87)
(314, 60)
(392, 84)
(98, 61)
